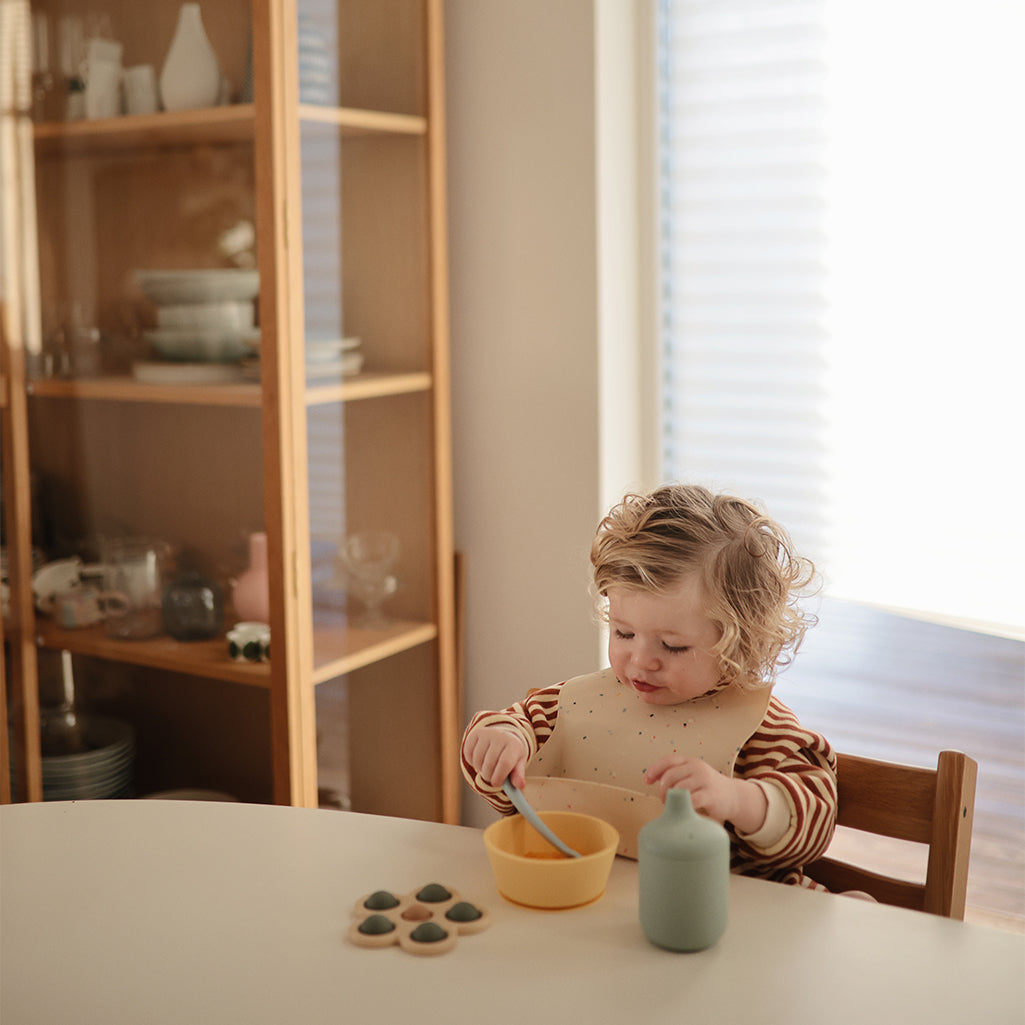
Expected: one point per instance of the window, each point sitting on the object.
(841, 330)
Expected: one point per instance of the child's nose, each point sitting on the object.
(646, 656)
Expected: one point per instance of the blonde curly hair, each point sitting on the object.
(751, 576)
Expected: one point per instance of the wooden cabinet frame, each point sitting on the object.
(304, 654)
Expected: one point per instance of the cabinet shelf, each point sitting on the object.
(342, 650)
(228, 124)
(353, 121)
(121, 388)
(197, 658)
(368, 386)
(136, 131)
(338, 650)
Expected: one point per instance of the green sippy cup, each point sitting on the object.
(684, 869)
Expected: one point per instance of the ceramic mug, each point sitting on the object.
(141, 89)
(56, 578)
(80, 607)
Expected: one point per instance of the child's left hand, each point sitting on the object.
(719, 797)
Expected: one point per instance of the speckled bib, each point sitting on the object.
(605, 738)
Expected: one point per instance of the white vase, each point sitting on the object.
(191, 76)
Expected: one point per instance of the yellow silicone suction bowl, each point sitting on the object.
(529, 871)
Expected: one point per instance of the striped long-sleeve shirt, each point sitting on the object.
(795, 767)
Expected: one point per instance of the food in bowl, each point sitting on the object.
(529, 871)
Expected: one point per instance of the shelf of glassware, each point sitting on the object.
(235, 123)
(339, 649)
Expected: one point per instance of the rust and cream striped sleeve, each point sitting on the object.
(797, 769)
(533, 719)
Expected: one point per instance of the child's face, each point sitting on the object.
(660, 645)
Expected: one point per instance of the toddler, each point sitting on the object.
(700, 594)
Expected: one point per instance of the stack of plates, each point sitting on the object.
(326, 361)
(201, 346)
(105, 770)
(153, 372)
(175, 287)
(203, 316)
(336, 357)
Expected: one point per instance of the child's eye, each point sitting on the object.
(675, 651)
(623, 636)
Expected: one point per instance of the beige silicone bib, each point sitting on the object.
(605, 738)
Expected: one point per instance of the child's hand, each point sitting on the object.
(719, 797)
(497, 753)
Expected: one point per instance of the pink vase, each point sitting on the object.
(251, 593)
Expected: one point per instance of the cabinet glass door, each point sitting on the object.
(233, 391)
(144, 410)
(382, 633)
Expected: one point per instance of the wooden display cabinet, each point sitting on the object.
(346, 201)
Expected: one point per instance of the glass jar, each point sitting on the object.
(193, 608)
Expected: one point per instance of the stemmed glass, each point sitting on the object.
(367, 560)
(62, 731)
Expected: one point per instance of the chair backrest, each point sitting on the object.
(929, 806)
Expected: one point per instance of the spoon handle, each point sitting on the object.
(521, 804)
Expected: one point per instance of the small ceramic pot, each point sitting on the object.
(249, 642)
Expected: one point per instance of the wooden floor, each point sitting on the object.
(891, 687)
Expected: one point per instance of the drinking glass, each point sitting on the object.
(367, 560)
(43, 81)
(71, 43)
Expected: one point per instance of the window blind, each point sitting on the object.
(840, 222)
(742, 252)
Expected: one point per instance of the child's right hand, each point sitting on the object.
(496, 753)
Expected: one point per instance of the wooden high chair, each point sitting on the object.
(929, 806)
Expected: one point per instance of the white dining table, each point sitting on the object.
(154, 912)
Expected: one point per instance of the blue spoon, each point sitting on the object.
(522, 805)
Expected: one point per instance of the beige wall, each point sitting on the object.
(521, 148)
(529, 331)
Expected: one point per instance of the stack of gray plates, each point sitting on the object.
(103, 770)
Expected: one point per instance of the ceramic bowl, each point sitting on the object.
(228, 315)
(203, 346)
(529, 871)
(171, 287)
